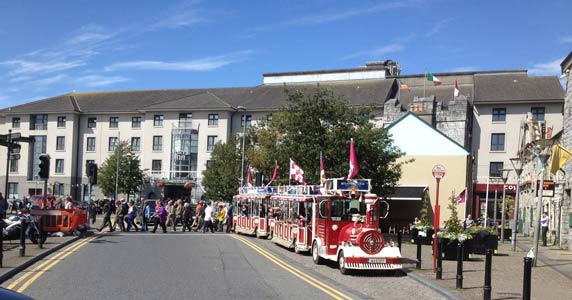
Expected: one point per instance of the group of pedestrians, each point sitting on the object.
(205, 216)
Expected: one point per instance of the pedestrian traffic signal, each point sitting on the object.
(92, 173)
(44, 172)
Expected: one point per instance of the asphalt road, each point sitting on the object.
(198, 266)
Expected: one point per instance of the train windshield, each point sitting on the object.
(343, 209)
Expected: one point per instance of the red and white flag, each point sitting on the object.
(275, 174)
(296, 173)
(249, 177)
(322, 170)
(353, 161)
(456, 92)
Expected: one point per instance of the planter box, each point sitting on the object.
(507, 234)
(449, 250)
(425, 236)
(478, 244)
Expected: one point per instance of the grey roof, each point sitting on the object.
(441, 93)
(63, 104)
(517, 88)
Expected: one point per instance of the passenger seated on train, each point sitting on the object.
(244, 209)
(262, 210)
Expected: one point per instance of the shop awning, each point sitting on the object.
(411, 192)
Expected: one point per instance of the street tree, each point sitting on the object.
(128, 172)
(318, 120)
(221, 179)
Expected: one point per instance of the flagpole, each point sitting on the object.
(424, 83)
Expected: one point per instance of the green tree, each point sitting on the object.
(129, 171)
(319, 121)
(220, 179)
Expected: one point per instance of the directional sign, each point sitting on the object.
(15, 156)
(438, 171)
(15, 148)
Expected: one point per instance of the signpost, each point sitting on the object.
(438, 172)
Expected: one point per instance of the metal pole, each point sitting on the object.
(23, 226)
(527, 278)
(459, 281)
(5, 201)
(487, 203)
(540, 192)
(242, 153)
(495, 206)
(116, 165)
(399, 238)
(439, 274)
(436, 222)
(516, 203)
(41, 235)
(418, 262)
(503, 208)
(488, 264)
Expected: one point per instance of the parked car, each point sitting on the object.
(11, 295)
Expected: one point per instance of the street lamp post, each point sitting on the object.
(242, 108)
(540, 191)
(503, 212)
(517, 166)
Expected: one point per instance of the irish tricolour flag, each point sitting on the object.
(433, 78)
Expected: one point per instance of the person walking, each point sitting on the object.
(160, 216)
(220, 216)
(544, 221)
(119, 214)
(200, 215)
(208, 219)
(131, 215)
(187, 216)
(178, 214)
(107, 210)
(170, 209)
(229, 220)
(145, 215)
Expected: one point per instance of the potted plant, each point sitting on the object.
(452, 235)
(482, 238)
(423, 230)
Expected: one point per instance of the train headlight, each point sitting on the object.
(334, 227)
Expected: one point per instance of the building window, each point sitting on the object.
(61, 122)
(113, 122)
(60, 143)
(156, 166)
(495, 168)
(157, 143)
(537, 113)
(209, 163)
(39, 122)
(211, 141)
(136, 122)
(497, 142)
(248, 119)
(13, 166)
(213, 119)
(90, 144)
(499, 114)
(59, 189)
(15, 122)
(59, 166)
(269, 118)
(112, 144)
(136, 144)
(13, 190)
(91, 122)
(158, 120)
(185, 120)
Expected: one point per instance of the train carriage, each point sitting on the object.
(250, 215)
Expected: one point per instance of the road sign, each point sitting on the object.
(15, 156)
(547, 189)
(438, 171)
(15, 148)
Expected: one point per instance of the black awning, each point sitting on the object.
(408, 193)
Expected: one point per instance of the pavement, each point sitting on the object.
(551, 278)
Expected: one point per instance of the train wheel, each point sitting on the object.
(341, 263)
(315, 256)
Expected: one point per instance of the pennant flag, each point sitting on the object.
(322, 170)
(249, 177)
(558, 158)
(403, 86)
(296, 173)
(275, 174)
(456, 92)
(433, 78)
(353, 161)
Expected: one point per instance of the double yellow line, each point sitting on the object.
(45, 266)
(335, 294)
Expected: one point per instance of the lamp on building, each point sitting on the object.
(242, 108)
(517, 166)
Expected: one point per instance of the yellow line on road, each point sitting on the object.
(40, 270)
(308, 279)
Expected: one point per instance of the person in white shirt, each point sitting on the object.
(68, 203)
(208, 221)
(544, 224)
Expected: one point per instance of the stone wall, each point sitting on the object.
(566, 141)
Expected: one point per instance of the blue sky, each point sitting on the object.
(50, 48)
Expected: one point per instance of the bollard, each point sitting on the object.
(23, 226)
(527, 273)
(399, 238)
(418, 262)
(41, 233)
(439, 274)
(459, 283)
(488, 264)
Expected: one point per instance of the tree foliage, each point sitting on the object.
(319, 121)
(221, 178)
(129, 171)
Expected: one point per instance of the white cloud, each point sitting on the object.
(203, 64)
(20, 67)
(437, 27)
(48, 81)
(566, 39)
(99, 80)
(184, 14)
(381, 51)
(548, 68)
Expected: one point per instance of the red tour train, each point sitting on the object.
(340, 222)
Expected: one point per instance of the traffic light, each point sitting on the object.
(44, 166)
(92, 173)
